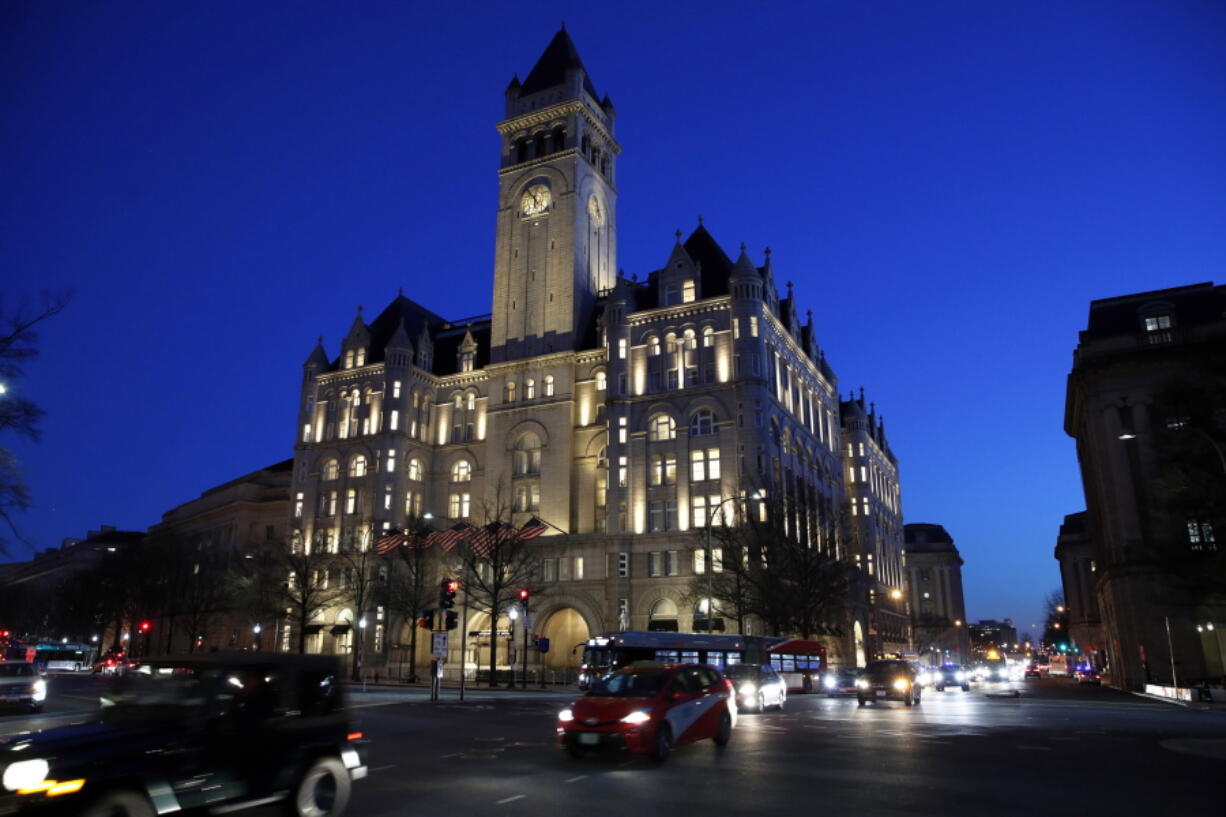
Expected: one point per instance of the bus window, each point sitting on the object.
(689, 656)
(734, 658)
(666, 656)
(715, 659)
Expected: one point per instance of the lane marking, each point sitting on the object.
(1034, 748)
(384, 768)
(448, 757)
(376, 703)
(510, 799)
(576, 779)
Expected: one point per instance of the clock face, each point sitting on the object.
(595, 212)
(536, 200)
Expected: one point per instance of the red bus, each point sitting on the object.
(799, 661)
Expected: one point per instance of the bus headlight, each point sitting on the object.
(902, 684)
(566, 716)
(636, 718)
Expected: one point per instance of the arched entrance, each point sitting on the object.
(567, 632)
(476, 658)
(858, 635)
(663, 616)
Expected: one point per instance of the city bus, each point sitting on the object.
(61, 656)
(800, 662)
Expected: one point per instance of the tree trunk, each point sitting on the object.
(413, 654)
(493, 647)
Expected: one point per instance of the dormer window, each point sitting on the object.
(348, 364)
(359, 358)
(671, 295)
(467, 358)
(688, 292)
(1158, 329)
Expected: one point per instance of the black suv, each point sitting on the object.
(214, 733)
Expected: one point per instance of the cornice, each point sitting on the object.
(718, 304)
(543, 116)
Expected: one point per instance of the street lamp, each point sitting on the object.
(710, 562)
(896, 594)
(256, 631)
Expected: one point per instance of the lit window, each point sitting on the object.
(466, 360)
(359, 359)
(458, 505)
(357, 466)
(621, 348)
(330, 471)
(510, 398)
(348, 364)
(298, 505)
(395, 389)
(578, 568)
(527, 458)
(653, 346)
(461, 471)
(689, 340)
(753, 326)
(621, 429)
(394, 421)
(1157, 323)
(708, 337)
(1200, 535)
(391, 460)
(306, 433)
(415, 469)
(549, 385)
(736, 328)
(622, 470)
(688, 292)
(661, 427)
(351, 500)
(530, 389)
(602, 381)
(387, 498)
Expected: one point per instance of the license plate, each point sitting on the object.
(881, 693)
(589, 737)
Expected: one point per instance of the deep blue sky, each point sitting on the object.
(948, 184)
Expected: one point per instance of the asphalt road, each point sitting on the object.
(1058, 749)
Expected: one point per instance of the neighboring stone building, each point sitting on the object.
(200, 540)
(988, 634)
(934, 586)
(1146, 404)
(625, 411)
(1075, 553)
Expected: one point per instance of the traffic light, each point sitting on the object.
(446, 593)
(452, 620)
(145, 626)
(523, 594)
(426, 620)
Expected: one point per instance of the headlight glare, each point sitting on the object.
(861, 683)
(748, 689)
(960, 676)
(901, 684)
(566, 715)
(830, 683)
(637, 717)
(25, 774)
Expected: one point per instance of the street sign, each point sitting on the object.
(528, 622)
(439, 645)
(542, 644)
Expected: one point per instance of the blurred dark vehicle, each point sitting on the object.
(951, 675)
(888, 681)
(221, 732)
(21, 686)
(1086, 675)
(841, 682)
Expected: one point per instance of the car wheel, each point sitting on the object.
(120, 804)
(725, 730)
(966, 687)
(783, 696)
(35, 708)
(860, 701)
(663, 743)
(322, 791)
(761, 701)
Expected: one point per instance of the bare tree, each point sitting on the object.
(253, 587)
(307, 588)
(358, 579)
(19, 414)
(412, 570)
(494, 564)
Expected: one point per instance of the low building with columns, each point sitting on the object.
(623, 410)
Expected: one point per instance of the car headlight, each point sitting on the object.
(959, 676)
(637, 717)
(901, 684)
(566, 715)
(861, 683)
(748, 690)
(830, 683)
(39, 688)
(25, 774)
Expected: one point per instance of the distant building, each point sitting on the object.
(934, 587)
(628, 412)
(1146, 404)
(1075, 553)
(207, 535)
(988, 634)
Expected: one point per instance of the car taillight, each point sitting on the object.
(354, 736)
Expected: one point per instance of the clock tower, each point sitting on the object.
(556, 244)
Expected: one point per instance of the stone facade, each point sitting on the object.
(934, 586)
(1145, 403)
(1075, 553)
(623, 412)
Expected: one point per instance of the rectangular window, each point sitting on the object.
(670, 515)
(623, 565)
(670, 469)
(396, 389)
(691, 375)
(1200, 535)
(395, 420)
(688, 292)
(622, 470)
(298, 500)
(672, 384)
(655, 516)
(717, 560)
(1157, 323)
(698, 466)
(700, 562)
(672, 563)
(655, 563)
(387, 498)
(564, 570)
(550, 570)
(306, 433)
(351, 500)
(713, 463)
(621, 349)
(391, 460)
(578, 568)
(736, 328)
(753, 326)
(622, 429)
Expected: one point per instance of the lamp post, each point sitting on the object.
(710, 562)
(256, 632)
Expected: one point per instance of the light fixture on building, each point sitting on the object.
(1127, 430)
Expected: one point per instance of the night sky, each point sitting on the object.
(947, 184)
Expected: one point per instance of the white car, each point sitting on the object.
(757, 687)
(21, 686)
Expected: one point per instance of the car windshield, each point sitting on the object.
(16, 670)
(884, 670)
(630, 685)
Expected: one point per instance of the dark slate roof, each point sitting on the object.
(716, 265)
(447, 342)
(925, 538)
(415, 316)
(550, 69)
(1193, 304)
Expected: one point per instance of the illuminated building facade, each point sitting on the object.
(628, 412)
(934, 586)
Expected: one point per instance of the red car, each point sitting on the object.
(649, 708)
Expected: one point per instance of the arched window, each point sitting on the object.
(472, 400)
(510, 391)
(357, 466)
(653, 346)
(690, 342)
(702, 423)
(459, 401)
(708, 337)
(521, 150)
(461, 471)
(530, 389)
(663, 616)
(416, 472)
(330, 471)
(549, 385)
(602, 381)
(527, 457)
(661, 427)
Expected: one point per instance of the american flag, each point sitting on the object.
(448, 539)
(485, 538)
(386, 544)
(531, 529)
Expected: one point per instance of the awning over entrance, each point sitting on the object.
(313, 629)
(339, 629)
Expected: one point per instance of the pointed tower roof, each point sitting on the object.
(358, 329)
(400, 338)
(715, 264)
(318, 358)
(550, 70)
